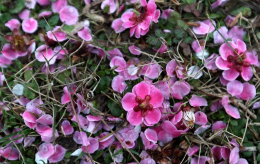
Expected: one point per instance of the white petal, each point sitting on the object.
(202, 53)
(18, 89)
(38, 160)
(76, 152)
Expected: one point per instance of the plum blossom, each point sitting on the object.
(111, 4)
(142, 104)
(69, 15)
(204, 27)
(139, 21)
(238, 62)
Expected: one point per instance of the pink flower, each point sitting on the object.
(111, 4)
(133, 49)
(10, 153)
(139, 22)
(24, 14)
(180, 89)
(58, 5)
(58, 155)
(45, 53)
(205, 27)
(69, 15)
(13, 24)
(218, 3)
(30, 25)
(117, 25)
(166, 13)
(118, 84)
(10, 53)
(45, 14)
(238, 62)
(85, 34)
(149, 138)
(142, 104)
(56, 35)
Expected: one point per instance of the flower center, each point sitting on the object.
(140, 17)
(237, 61)
(143, 105)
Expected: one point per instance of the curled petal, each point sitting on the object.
(30, 25)
(69, 15)
(13, 24)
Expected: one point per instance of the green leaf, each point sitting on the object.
(188, 1)
(214, 15)
(76, 3)
(108, 158)
(28, 75)
(248, 153)
(174, 17)
(106, 9)
(258, 35)
(18, 6)
(258, 147)
(134, 152)
(233, 122)
(68, 155)
(98, 154)
(159, 33)
(54, 20)
(27, 92)
(151, 39)
(179, 33)
(68, 28)
(5, 17)
(258, 158)
(246, 11)
(29, 161)
(182, 24)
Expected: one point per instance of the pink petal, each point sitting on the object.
(119, 63)
(196, 45)
(251, 57)
(128, 101)
(201, 118)
(127, 15)
(164, 137)
(242, 161)
(156, 97)
(29, 119)
(138, 31)
(10, 153)
(211, 26)
(118, 84)
(216, 151)
(56, 35)
(33, 107)
(24, 14)
(249, 91)
(143, 3)
(151, 135)
(145, 24)
(81, 138)
(164, 88)
(218, 3)
(44, 14)
(4, 61)
(234, 142)
(92, 147)
(180, 89)
(66, 96)
(166, 13)
(28, 141)
(31, 4)
(134, 118)
(113, 53)
(230, 74)
(111, 4)
(201, 129)
(225, 50)
(228, 20)
(234, 88)
(201, 160)
(69, 15)
(117, 25)
(236, 33)
(151, 70)
(12, 24)
(247, 73)
(192, 150)
(106, 142)
(132, 30)
(241, 46)
(197, 101)
(210, 62)
(223, 81)
(85, 34)
(45, 119)
(84, 123)
(232, 111)
(67, 129)
(177, 118)
(218, 38)
(43, 2)
(58, 5)
(218, 125)
(30, 25)
(142, 89)
(133, 49)
(256, 105)
(225, 152)
(8, 52)
(58, 155)
(170, 68)
(44, 53)
(202, 29)
(234, 156)
(46, 150)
